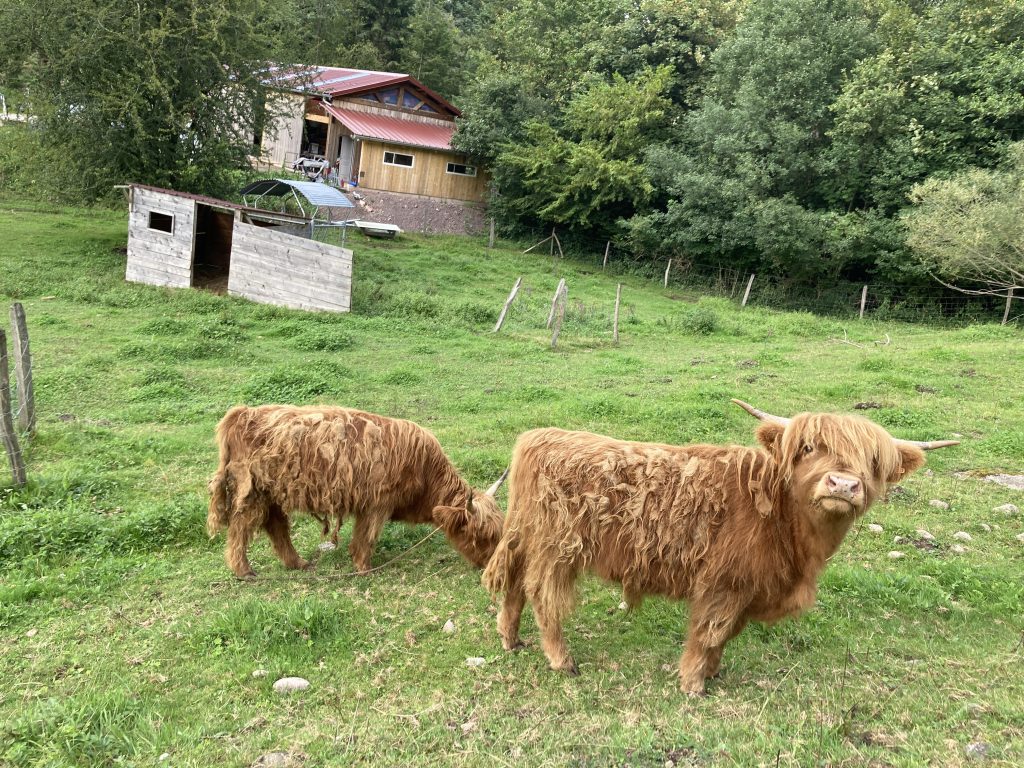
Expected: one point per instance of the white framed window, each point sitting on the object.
(397, 158)
(161, 222)
(461, 170)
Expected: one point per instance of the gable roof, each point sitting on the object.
(394, 130)
(340, 81)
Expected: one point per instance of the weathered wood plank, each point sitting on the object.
(261, 295)
(554, 301)
(23, 369)
(7, 433)
(257, 289)
(137, 273)
(746, 293)
(290, 264)
(560, 315)
(508, 303)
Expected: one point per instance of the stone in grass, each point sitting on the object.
(922, 533)
(977, 750)
(260, 673)
(1020, 537)
(875, 528)
(449, 627)
(1007, 509)
(291, 684)
(475, 661)
(958, 549)
(327, 546)
(962, 536)
(985, 527)
(938, 504)
(896, 554)
(277, 760)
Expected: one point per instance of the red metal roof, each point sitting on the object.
(340, 81)
(394, 130)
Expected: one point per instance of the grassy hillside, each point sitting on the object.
(124, 636)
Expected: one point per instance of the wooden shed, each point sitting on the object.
(180, 240)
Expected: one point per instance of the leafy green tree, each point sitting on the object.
(590, 172)
(167, 93)
(942, 93)
(968, 231)
(385, 26)
(744, 181)
(435, 51)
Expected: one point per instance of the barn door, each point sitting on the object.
(346, 155)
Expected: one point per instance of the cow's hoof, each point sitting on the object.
(569, 667)
(692, 690)
(513, 646)
(246, 576)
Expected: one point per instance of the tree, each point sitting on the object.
(168, 93)
(589, 173)
(967, 229)
(435, 50)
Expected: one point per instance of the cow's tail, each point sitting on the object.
(220, 487)
(503, 570)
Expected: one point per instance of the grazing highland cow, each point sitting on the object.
(741, 533)
(333, 463)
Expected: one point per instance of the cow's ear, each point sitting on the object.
(911, 459)
(769, 434)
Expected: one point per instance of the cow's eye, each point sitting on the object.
(808, 448)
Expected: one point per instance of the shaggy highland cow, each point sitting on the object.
(276, 460)
(741, 533)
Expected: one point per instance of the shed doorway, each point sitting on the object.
(211, 254)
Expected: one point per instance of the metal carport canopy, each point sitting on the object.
(320, 195)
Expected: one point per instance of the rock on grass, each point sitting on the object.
(291, 684)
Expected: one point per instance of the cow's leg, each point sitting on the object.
(512, 609)
(553, 598)
(277, 526)
(367, 528)
(241, 527)
(711, 627)
(714, 662)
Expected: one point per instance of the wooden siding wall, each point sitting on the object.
(282, 139)
(155, 257)
(274, 268)
(426, 177)
(357, 104)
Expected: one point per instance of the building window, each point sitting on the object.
(161, 222)
(461, 170)
(396, 158)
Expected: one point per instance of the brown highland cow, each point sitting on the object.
(741, 533)
(276, 460)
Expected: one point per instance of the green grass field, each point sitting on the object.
(125, 638)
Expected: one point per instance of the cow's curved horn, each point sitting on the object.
(758, 413)
(929, 445)
(497, 483)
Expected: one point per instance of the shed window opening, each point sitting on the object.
(396, 158)
(161, 222)
(461, 170)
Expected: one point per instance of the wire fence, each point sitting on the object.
(876, 300)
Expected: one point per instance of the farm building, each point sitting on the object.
(180, 240)
(384, 131)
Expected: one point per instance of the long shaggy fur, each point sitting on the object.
(276, 460)
(734, 530)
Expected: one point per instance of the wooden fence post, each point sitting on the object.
(554, 301)
(7, 433)
(667, 270)
(490, 238)
(1009, 298)
(607, 247)
(560, 316)
(23, 369)
(615, 324)
(508, 303)
(863, 301)
(746, 293)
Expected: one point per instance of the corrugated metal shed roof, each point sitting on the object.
(340, 81)
(365, 125)
(318, 194)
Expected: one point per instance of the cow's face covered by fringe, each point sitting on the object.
(837, 466)
(474, 528)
